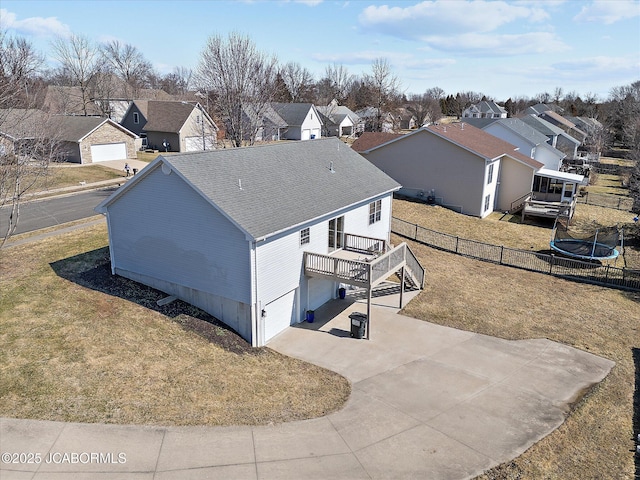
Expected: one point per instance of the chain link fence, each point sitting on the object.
(608, 201)
(549, 264)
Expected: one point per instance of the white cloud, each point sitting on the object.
(498, 45)
(599, 64)
(441, 17)
(360, 58)
(36, 26)
(609, 11)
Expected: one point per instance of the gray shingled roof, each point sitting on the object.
(283, 185)
(292, 113)
(166, 116)
(544, 127)
(75, 128)
(524, 130)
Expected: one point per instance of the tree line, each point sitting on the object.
(236, 82)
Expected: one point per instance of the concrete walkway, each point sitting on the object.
(427, 402)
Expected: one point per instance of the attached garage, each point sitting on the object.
(280, 314)
(109, 151)
(194, 144)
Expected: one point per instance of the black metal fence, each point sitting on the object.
(608, 201)
(549, 264)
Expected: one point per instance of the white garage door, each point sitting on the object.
(108, 151)
(315, 133)
(280, 314)
(306, 134)
(320, 292)
(194, 144)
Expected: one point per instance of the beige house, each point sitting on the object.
(80, 139)
(456, 165)
(171, 126)
(94, 139)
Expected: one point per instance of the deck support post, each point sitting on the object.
(401, 285)
(369, 289)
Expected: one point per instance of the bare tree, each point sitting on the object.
(242, 81)
(426, 106)
(29, 143)
(79, 59)
(384, 87)
(335, 84)
(128, 63)
(298, 80)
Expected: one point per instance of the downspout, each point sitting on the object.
(111, 252)
(255, 328)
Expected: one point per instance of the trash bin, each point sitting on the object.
(358, 324)
(310, 316)
(342, 292)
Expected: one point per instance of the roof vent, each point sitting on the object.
(331, 167)
(240, 184)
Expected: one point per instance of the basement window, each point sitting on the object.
(305, 236)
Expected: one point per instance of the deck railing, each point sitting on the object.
(360, 244)
(362, 273)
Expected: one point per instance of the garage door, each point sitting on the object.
(108, 151)
(280, 314)
(320, 292)
(315, 133)
(306, 134)
(194, 144)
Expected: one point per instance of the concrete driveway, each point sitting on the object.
(427, 402)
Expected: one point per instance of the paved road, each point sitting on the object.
(44, 213)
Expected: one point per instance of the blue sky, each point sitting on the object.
(500, 48)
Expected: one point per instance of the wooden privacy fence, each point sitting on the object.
(549, 264)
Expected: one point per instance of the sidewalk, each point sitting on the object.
(114, 164)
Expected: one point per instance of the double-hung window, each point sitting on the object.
(375, 211)
(305, 236)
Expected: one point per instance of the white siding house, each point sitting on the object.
(529, 141)
(227, 230)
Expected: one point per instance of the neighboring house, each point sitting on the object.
(403, 119)
(302, 119)
(556, 136)
(566, 125)
(256, 236)
(484, 109)
(368, 140)
(369, 117)
(458, 166)
(468, 170)
(340, 121)
(79, 139)
(264, 122)
(528, 140)
(94, 139)
(171, 126)
(19, 127)
(539, 108)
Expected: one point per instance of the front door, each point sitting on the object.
(336, 233)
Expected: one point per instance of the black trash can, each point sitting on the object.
(358, 324)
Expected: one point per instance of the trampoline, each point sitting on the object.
(600, 245)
